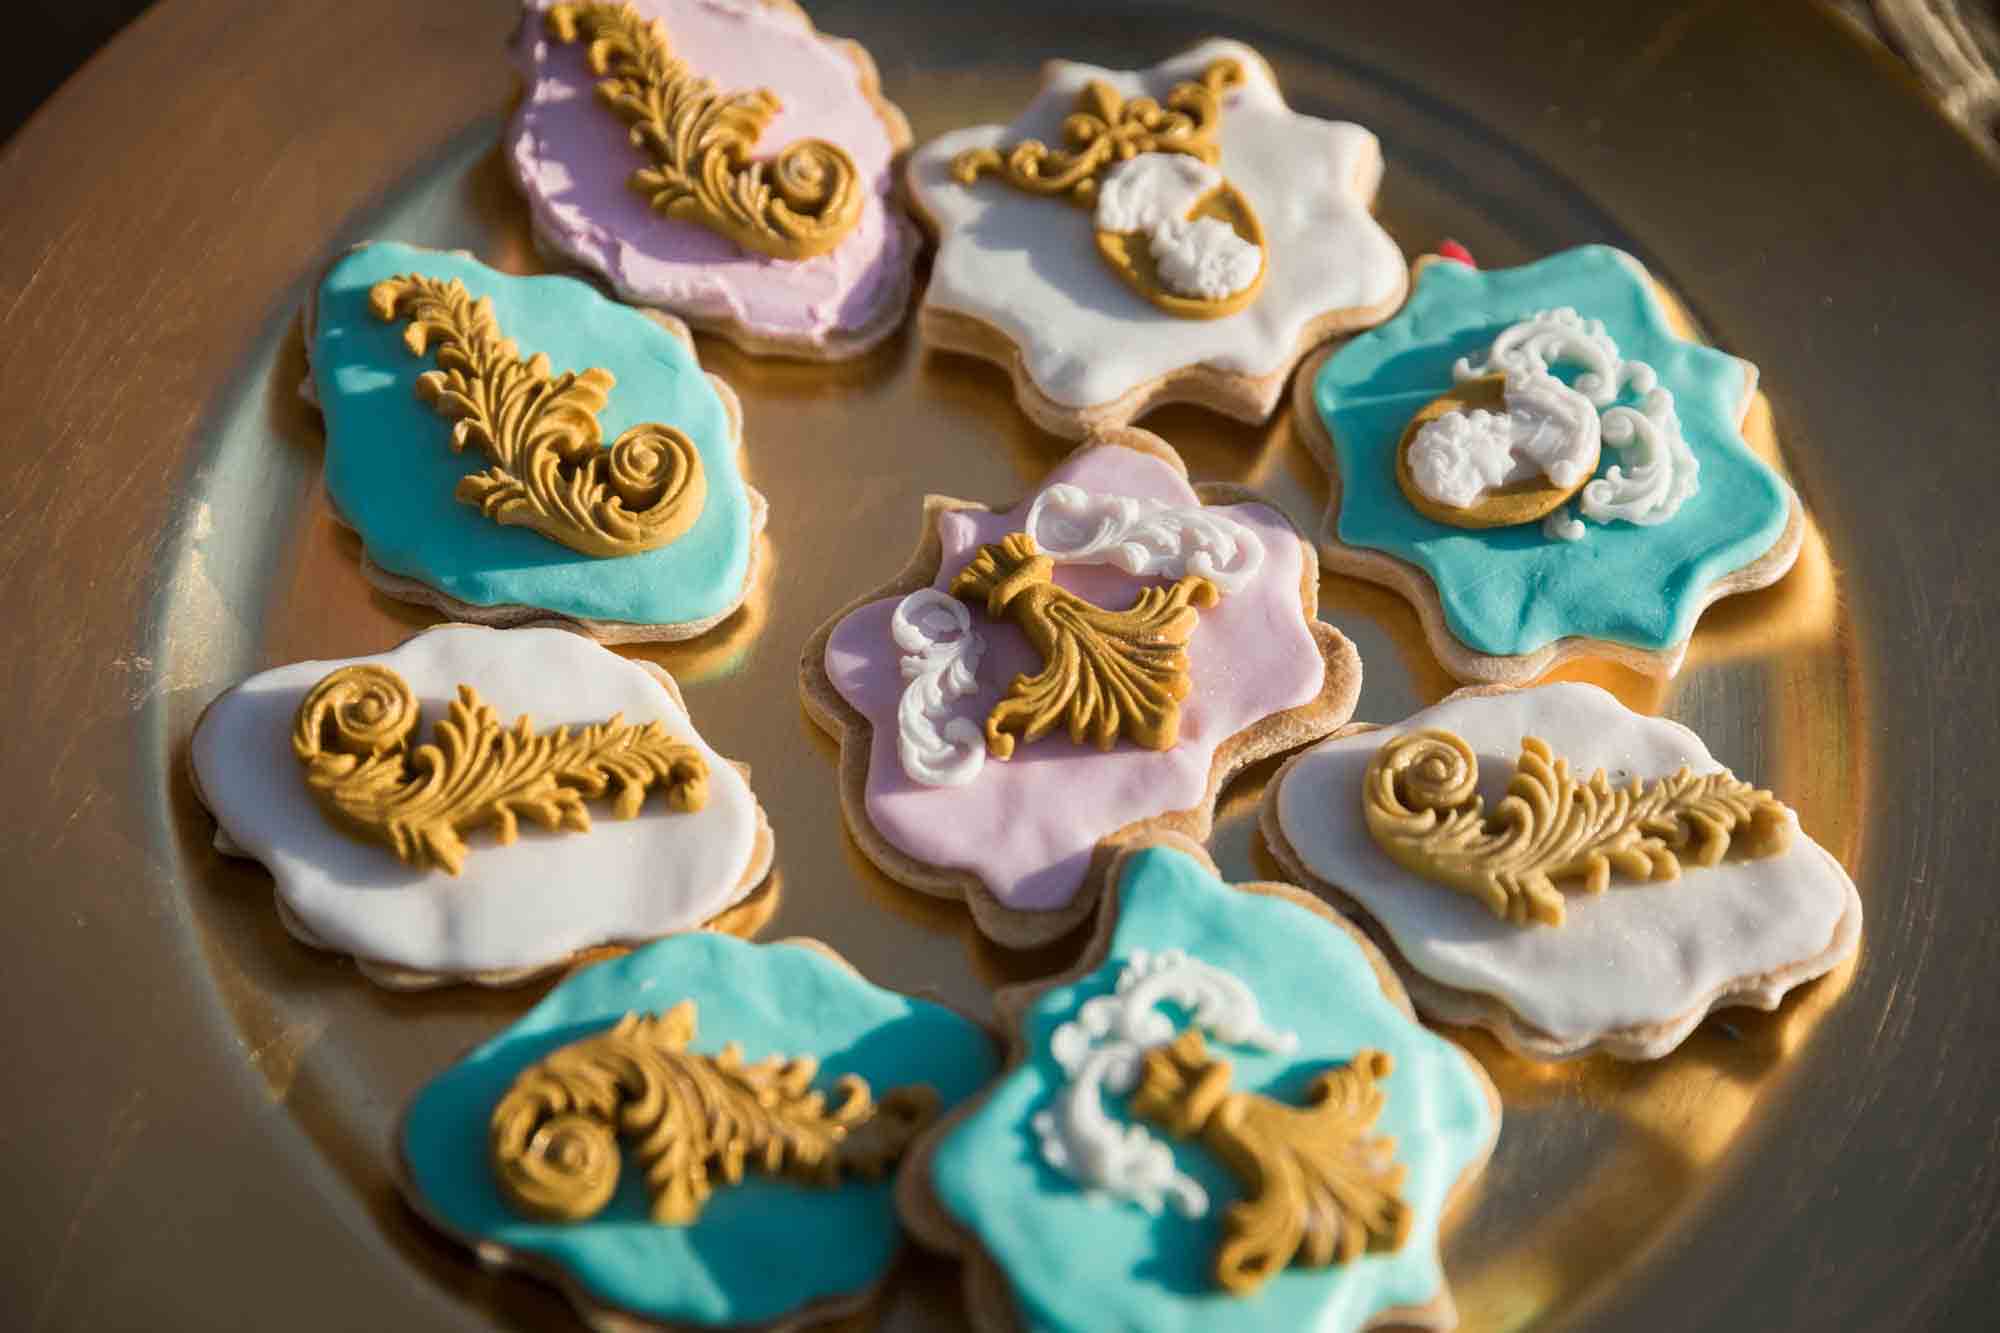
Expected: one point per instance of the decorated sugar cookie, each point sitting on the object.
(1175, 234)
(1564, 872)
(481, 805)
(513, 450)
(1041, 682)
(1226, 1117)
(719, 159)
(700, 1134)
(1546, 466)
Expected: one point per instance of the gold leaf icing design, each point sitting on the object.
(352, 737)
(1105, 673)
(1321, 1189)
(550, 471)
(801, 203)
(1422, 808)
(553, 1140)
(1108, 128)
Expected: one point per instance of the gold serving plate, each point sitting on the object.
(1826, 1165)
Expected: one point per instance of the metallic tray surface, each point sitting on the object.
(201, 1126)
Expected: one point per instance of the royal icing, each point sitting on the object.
(1099, 1051)
(1026, 265)
(392, 474)
(1027, 827)
(1635, 955)
(524, 905)
(574, 162)
(1548, 430)
(1075, 1259)
(1507, 591)
(1142, 536)
(938, 745)
(1153, 193)
(787, 1000)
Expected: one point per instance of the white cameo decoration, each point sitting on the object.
(1100, 1051)
(941, 664)
(1144, 537)
(1542, 412)
(1153, 193)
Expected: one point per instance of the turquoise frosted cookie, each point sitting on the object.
(1225, 1118)
(765, 1094)
(548, 455)
(1540, 462)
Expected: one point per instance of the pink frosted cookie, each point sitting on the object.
(1043, 684)
(762, 214)
(1135, 238)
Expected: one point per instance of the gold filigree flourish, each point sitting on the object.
(352, 735)
(1106, 673)
(553, 1139)
(1108, 128)
(801, 203)
(550, 470)
(1422, 807)
(1321, 1190)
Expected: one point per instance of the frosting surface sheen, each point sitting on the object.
(1027, 265)
(1027, 826)
(391, 472)
(1636, 954)
(572, 160)
(533, 902)
(760, 1248)
(1508, 591)
(1075, 1263)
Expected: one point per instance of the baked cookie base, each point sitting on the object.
(839, 344)
(1018, 928)
(1415, 585)
(1440, 1003)
(989, 1300)
(748, 912)
(516, 615)
(1235, 394)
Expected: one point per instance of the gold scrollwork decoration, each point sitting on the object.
(352, 736)
(550, 471)
(1108, 128)
(1321, 1189)
(691, 1119)
(801, 203)
(1105, 673)
(1423, 809)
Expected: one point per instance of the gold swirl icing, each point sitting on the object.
(1423, 809)
(549, 470)
(801, 203)
(553, 1139)
(352, 736)
(1321, 1189)
(1105, 673)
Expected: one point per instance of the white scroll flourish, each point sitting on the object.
(1146, 537)
(941, 664)
(1100, 1051)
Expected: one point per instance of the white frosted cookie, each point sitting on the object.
(401, 860)
(1189, 256)
(1367, 819)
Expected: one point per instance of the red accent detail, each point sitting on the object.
(1457, 253)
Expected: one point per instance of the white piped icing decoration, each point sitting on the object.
(1664, 472)
(1100, 1051)
(1153, 193)
(1144, 537)
(941, 662)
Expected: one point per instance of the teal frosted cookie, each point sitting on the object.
(699, 1134)
(1225, 1118)
(1543, 463)
(523, 449)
